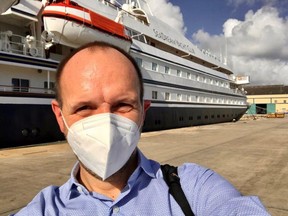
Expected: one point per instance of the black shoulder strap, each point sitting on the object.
(172, 179)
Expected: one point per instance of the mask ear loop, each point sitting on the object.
(65, 123)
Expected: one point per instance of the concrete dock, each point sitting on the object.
(251, 154)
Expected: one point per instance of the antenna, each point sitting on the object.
(226, 51)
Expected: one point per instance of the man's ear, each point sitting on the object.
(146, 105)
(57, 112)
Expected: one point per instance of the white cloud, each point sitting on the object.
(262, 71)
(229, 26)
(257, 46)
(168, 13)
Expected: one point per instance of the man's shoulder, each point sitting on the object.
(193, 169)
(46, 197)
(199, 176)
(211, 192)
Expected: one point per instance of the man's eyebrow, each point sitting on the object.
(131, 99)
(76, 105)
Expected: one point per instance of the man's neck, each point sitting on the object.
(113, 185)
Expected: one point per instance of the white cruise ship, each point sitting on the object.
(185, 86)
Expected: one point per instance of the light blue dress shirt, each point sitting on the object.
(146, 193)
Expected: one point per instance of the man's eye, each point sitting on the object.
(123, 107)
(83, 108)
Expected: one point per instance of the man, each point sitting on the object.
(99, 108)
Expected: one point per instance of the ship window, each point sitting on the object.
(51, 85)
(154, 95)
(139, 37)
(179, 73)
(189, 75)
(56, 49)
(284, 101)
(128, 31)
(167, 70)
(167, 96)
(179, 97)
(20, 85)
(154, 66)
(157, 122)
(138, 61)
(136, 35)
(275, 101)
(142, 38)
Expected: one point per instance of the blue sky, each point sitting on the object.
(210, 15)
(255, 32)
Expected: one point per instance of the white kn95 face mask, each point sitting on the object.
(103, 142)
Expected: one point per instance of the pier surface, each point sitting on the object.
(252, 154)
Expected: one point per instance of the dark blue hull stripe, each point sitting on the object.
(153, 82)
(23, 12)
(26, 60)
(175, 103)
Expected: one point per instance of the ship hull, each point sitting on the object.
(161, 118)
(27, 124)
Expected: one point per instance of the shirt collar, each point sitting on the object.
(145, 164)
(73, 184)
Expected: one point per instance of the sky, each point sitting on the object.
(252, 33)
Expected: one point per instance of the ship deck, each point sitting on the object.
(252, 154)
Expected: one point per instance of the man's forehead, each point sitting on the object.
(93, 59)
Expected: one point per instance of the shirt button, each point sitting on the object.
(116, 209)
(79, 189)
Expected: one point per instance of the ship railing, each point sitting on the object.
(29, 46)
(24, 89)
(135, 13)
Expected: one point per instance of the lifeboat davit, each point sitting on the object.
(67, 23)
